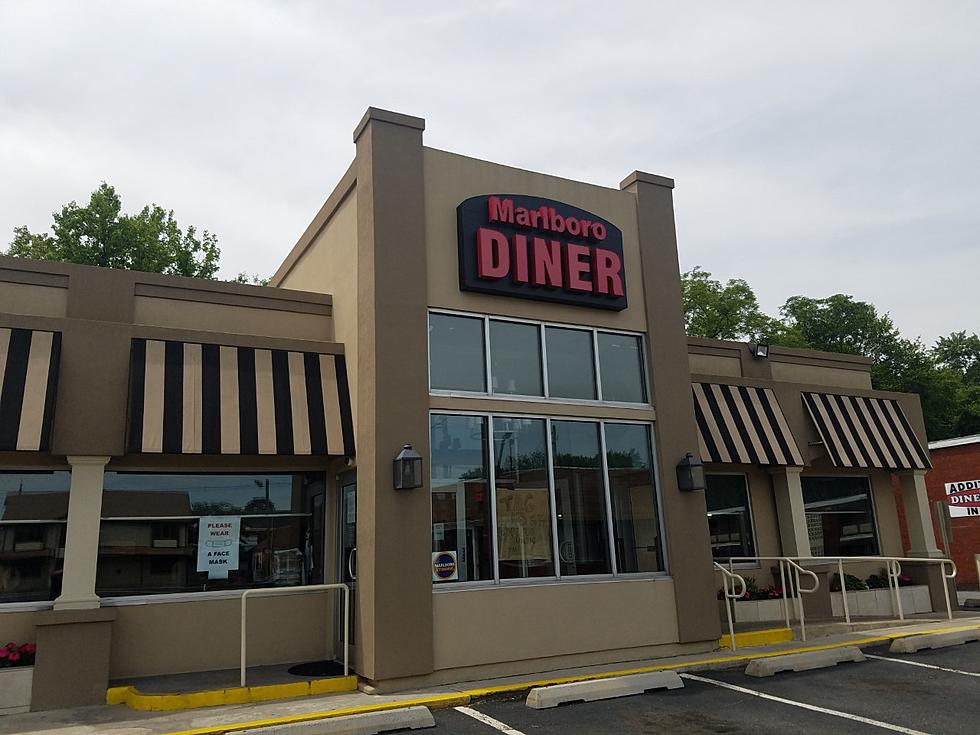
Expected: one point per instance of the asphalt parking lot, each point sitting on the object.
(934, 692)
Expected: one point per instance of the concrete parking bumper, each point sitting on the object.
(914, 643)
(804, 661)
(591, 691)
(370, 723)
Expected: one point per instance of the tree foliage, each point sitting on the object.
(946, 377)
(99, 233)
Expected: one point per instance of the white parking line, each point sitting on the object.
(919, 663)
(488, 720)
(804, 705)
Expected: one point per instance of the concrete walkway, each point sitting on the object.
(120, 720)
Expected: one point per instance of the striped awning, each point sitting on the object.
(28, 382)
(866, 432)
(188, 398)
(741, 424)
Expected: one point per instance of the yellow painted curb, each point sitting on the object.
(134, 699)
(757, 638)
(455, 700)
(440, 701)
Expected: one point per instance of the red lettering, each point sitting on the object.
(546, 257)
(492, 254)
(608, 273)
(574, 226)
(555, 222)
(521, 266)
(577, 265)
(500, 211)
(598, 231)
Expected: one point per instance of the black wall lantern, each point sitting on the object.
(408, 469)
(690, 473)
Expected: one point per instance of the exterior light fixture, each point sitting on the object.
(408, 469)
(690, 474)
(761, 351)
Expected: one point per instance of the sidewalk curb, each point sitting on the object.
(466, 697)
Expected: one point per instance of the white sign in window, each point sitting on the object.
(217, 545)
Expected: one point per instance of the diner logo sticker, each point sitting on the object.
(444, 567)
(217, 545)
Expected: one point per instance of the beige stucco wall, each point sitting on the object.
(329, 265)
(451, 178)
(17, 627)
(28, 298)
(203, 635)
(730, 367)
(224, 318)
(478, 627)
(820, 375)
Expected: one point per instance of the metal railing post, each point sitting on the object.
(782, 584)
(269, 591)
(730, 598)
(946, 578)
(843, 590)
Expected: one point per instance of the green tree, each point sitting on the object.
(960, 352)
(721, 310)
(100, 234)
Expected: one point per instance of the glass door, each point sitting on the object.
(347, 552)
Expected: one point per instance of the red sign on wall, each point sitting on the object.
(534, 248)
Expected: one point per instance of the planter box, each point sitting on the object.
(15, 689)
(760, 611)
(881, 602)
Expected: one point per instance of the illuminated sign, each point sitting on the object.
(534, 248)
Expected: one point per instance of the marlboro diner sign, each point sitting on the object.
(534, 248)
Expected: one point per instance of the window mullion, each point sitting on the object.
(488, 369)
(544, 361)
(492, 475)
(606, 485)
(554, 505)
(595, 358)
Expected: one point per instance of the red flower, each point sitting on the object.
(11, 646)
(28, 648)
(4, 653)
(14, 657)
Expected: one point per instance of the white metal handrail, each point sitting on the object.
(893, 568)
(731, 595)
(268, 591)
(789, 570)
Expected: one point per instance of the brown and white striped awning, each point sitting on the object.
(28, 382)
(865, 432)
(188, 398)
(742, 424)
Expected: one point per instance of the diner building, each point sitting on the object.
(166, 443)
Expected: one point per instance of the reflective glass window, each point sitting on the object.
(456, 353)
(636, 524)
(515, 358)
(729, 519)
(571, 363)
(840, 516)
(621, 367)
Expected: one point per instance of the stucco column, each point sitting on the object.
(82, 542)
(688, 544)
(793, 534)
(394, 527)
(922, 535)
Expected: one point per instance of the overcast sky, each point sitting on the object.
(817, 148)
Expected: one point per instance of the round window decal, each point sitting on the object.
(444, 566)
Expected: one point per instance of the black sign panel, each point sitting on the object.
(534, 248)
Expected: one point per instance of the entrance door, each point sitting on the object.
(347, 552)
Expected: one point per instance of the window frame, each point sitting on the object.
(751, 509)
(871, 497)
(557, 578)
(489, 394)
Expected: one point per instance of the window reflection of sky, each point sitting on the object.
(235, 491)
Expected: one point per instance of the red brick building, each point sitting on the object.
(955, 480)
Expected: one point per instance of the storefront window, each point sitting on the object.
(33, 514)
(456, 353)
(583, 538)
(461, 527)
(840, 516)
(515, 358)
(177, 533)
(636, 525)
(621, 368)
(571, 363)
(523, 498)
(729, 519)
